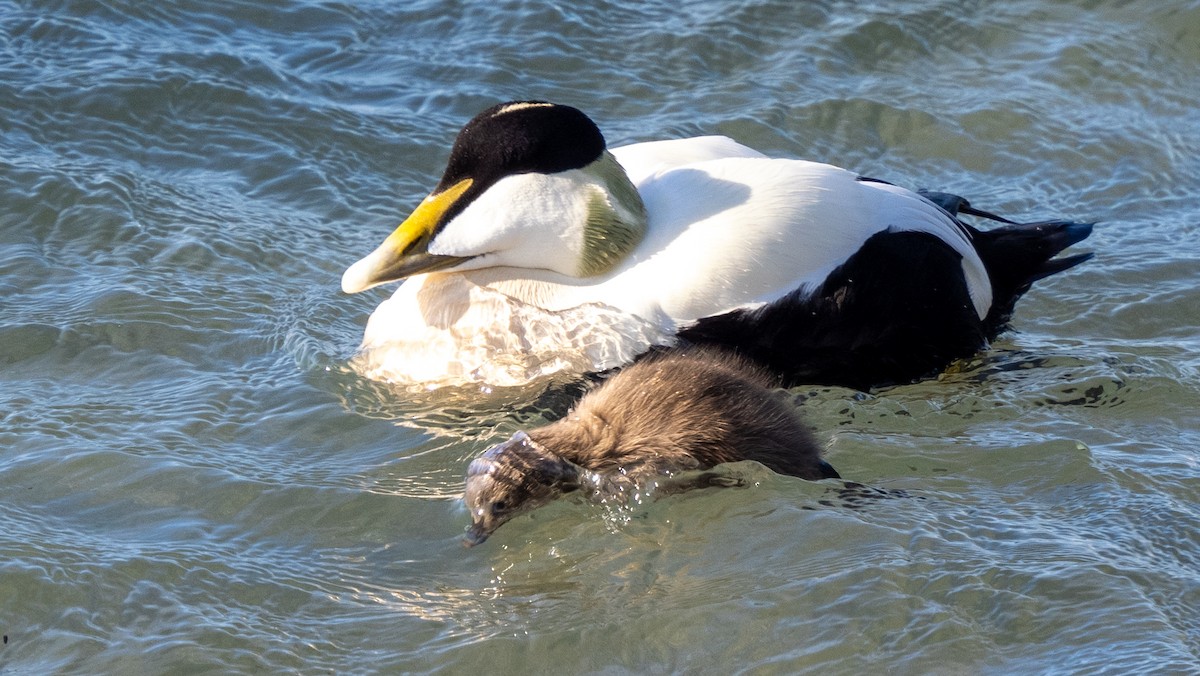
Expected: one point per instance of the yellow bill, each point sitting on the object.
(406, 251)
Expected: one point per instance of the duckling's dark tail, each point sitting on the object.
(1016, 254)
(827, 471)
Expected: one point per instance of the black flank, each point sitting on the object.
(896, 311)
(899, 309)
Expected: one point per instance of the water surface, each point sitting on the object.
(193, 479)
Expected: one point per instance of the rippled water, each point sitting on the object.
(192, 478)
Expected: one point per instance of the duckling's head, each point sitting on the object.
(529, 184)
(512, 478)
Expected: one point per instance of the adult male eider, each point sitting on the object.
(540, 250)
(675, 411)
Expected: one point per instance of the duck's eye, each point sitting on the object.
(499, 506)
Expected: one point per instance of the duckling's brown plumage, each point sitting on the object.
(677, 411)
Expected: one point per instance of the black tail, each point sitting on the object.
(1016, 254)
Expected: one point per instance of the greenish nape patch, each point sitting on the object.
(616, 220)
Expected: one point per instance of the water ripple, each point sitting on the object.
(195, 478)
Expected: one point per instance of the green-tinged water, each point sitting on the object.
(192, 479)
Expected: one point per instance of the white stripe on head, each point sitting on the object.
(522, 105)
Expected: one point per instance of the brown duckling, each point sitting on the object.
(676, 411)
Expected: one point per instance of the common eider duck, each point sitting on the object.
(671, 412)
(540, 249)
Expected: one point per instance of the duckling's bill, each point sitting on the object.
(406, 251)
